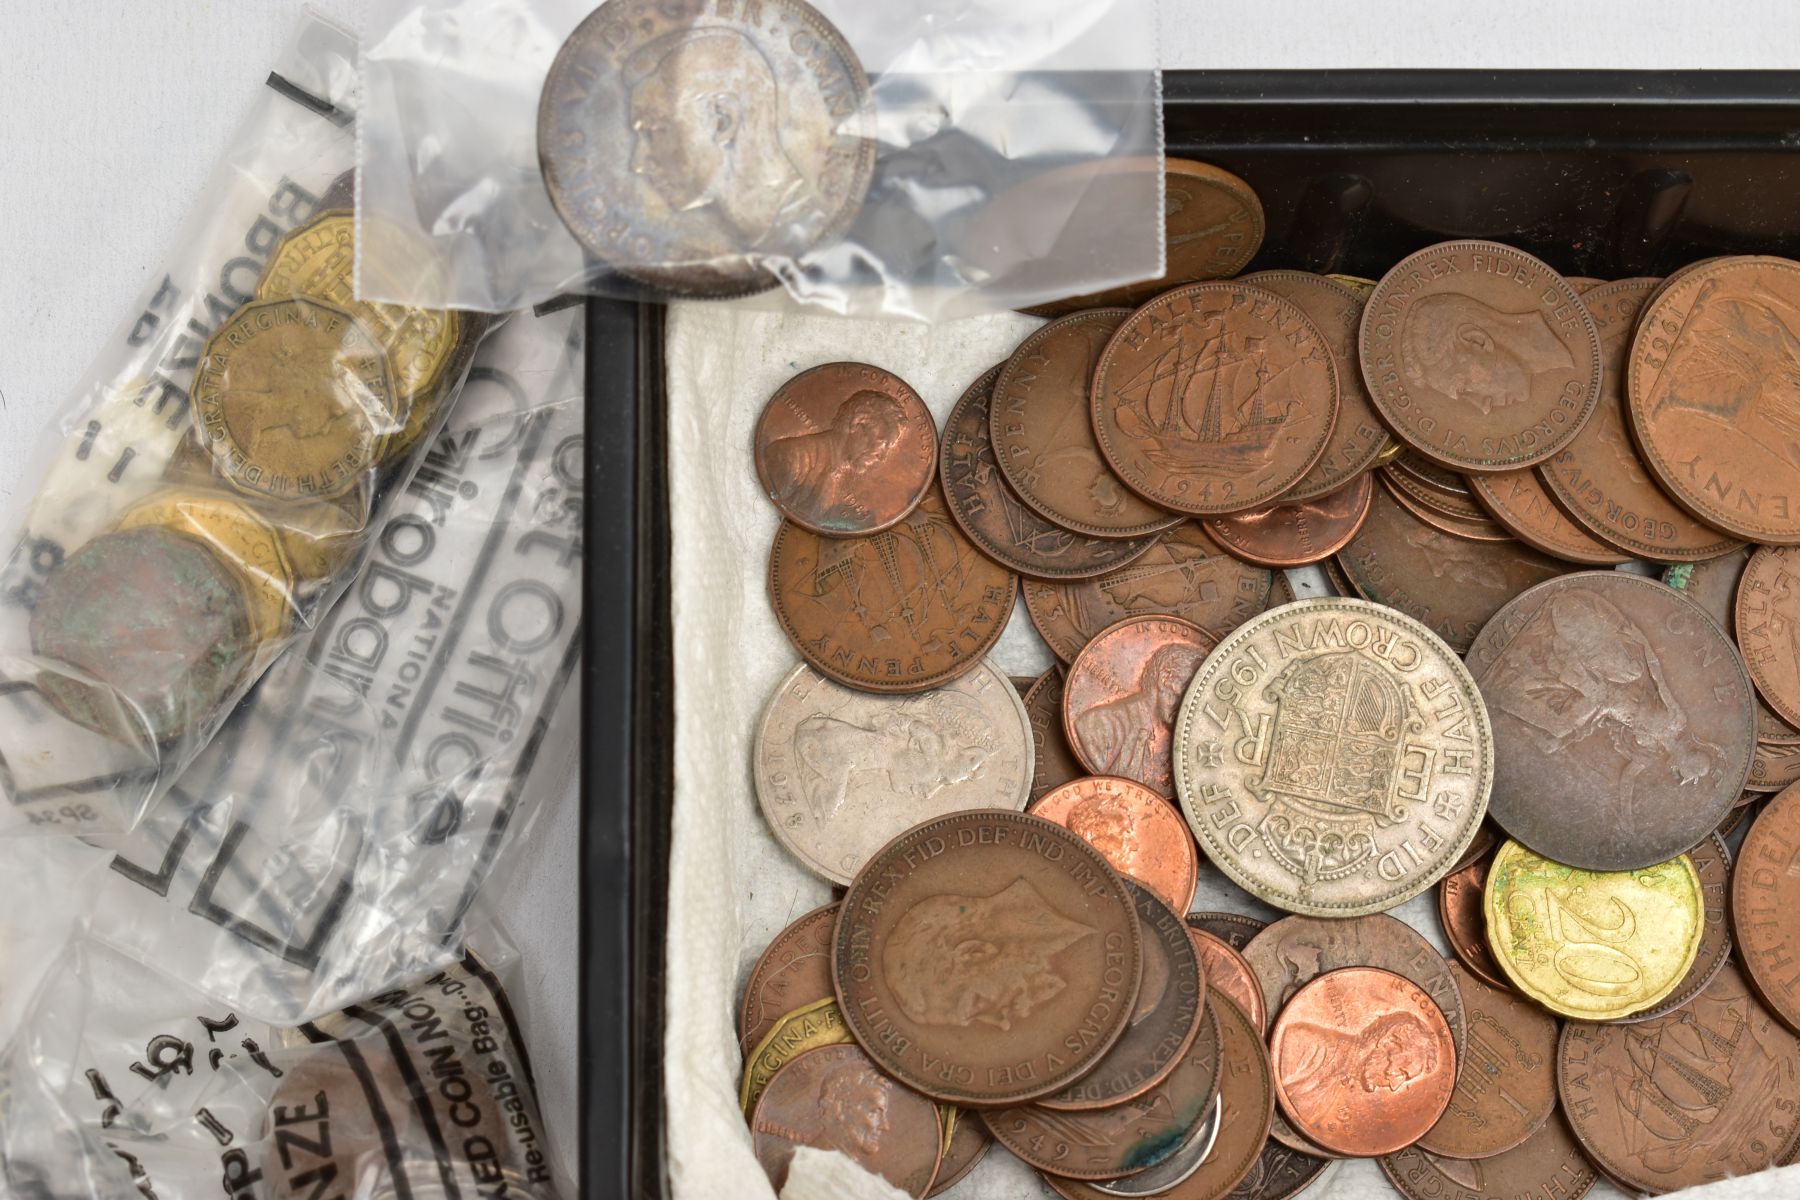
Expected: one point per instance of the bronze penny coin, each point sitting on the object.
(1140, 834)
(1520, 501)
(1583, 284)
(835, 1098)
(845, 449)
(1699, 1094)
(1229, 972)
(1214, 398)
(794, 971)
(1432, 484)
(1246, 1097)
(1505, 1078)
(1296, 533)
(147, 633)
(1358, 438)
(1768, 618)
(808, 1027)
(1043, 434)
(1174, 1169)
(1711, 399)
(1713, 585)
(652, 176)
(1774, 766)
(1234, 929)
(1122, 694)
(1712, 863)
(903, 610)
(1477, 526)
(1623, 720)
(1449, 585)
(1000, 526)
(1483, 842)
(1364, 1061)
(1461, 896)
(1282, 592)
(1480, 356)
(1600, 477)
(1549, 1165)
(1169, 1014)
(1765, 896)
(1280, 1173)
(1124, 1139)
(1185, 575)
(969, 1144)
(987, 958)
(1053, 763)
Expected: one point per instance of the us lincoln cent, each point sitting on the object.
(1600, 477)
(1480, 356)
(1520, 501)
(1461, 896)
(794, 970)
(1333, 757)
(845, 448)
(997, 522)
(835, 1098)
(1043, 432)
(1214, 398)
(1122, 693)
(987, 958)
(1229, 972)
(902, 610)
(1623, 720)
(1135, 828)
(1364, 1062)
(1185, 574)
(1358, 438)
(1505, 1077)
(1709, 1088)
(1549, 1165)
(1765, 896)
(1052, 762)
(1297, 532)
(1712, 393)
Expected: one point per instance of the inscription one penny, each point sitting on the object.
(1505, 1084)
(1122, 694)
(1135, 828)
(987, 958)
(1333, 757)
(1765, 898)
(1480, 356)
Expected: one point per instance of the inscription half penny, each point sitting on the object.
(834, 1098)
(1138, 831)
(987, 958)
(1765, 896)
(1052, 762)
(795, 970)
(1296, 533)
(1549, 1165)
(1768, 627)
(1505, 1078)
(1122, 694)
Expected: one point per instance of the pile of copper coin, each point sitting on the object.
(1558, 685)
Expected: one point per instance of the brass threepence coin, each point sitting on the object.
(1505, 1077)
(1052, 762)
(1768, 627)
(1462, 899)
(1214, 398)
(834, 1098)
(147, 633)
(1520, 501)
(1592, 945)
(1703, 1093)
(1135, 828)
(1712, 398)
(1185, 575)
(1549, 1165)
(1228, 972)
(1122, 694)
(1480, 356)
(241, 537)
(997, 522)
(820, 1023)
(987, 958)
(1765, 898)
(902, 610)
(1711, 860)
(845, 449)
(294, 400)
(1170, 1013)
(1296, 533)
(1333, 757)
(1358, 438)
(1043, 432)
(1623, 720)
(694, 149)
(1364, 1063)
(839, 773)
(794, 971)
(1600, 477)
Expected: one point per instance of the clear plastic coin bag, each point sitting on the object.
(912, 160)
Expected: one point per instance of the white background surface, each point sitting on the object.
(113, 111)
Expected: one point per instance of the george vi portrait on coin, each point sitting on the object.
(1459, 347)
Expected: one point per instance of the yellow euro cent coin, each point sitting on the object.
(1592, 945)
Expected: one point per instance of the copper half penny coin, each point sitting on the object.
(835, 1098)
(1520, 501)
(1214, 398)
(1123, 692)
(1713, 585)
(845, 449)
(1713, 398)
(1461, 900)
(1480, 356)
(794, 971)
(1183, 575)
(1138, 831)
(1505, 1077)
(1623, 720)
(1765, 898)
(1364, 1062)
(1043, 432)
(1768, 622)
(1228, 972)
(1474, 525)
(1712, 863)
(987, 958)
(1052, 763)
(1000, 526)
(1549, 1165)
(1296, 533)
(903, 610)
